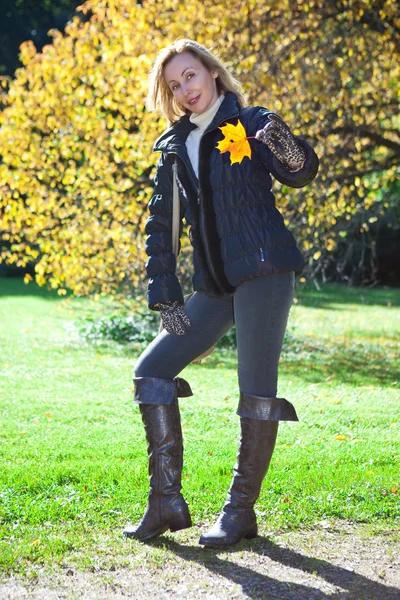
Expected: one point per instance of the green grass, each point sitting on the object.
(73, 465)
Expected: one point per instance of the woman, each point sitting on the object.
(245, 261)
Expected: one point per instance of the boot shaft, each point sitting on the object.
(256, 446)
(162, 426)
(166, 508)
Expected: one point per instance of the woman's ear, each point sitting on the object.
(214, 74)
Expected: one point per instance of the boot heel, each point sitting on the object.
(252, 533)
(181, 522)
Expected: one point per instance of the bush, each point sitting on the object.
(141, 328)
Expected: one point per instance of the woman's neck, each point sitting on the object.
(203, 119)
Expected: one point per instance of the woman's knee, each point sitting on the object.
(145, 366)
(157, 361)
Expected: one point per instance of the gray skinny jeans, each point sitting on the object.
(260, 309)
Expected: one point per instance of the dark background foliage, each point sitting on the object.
(29, 20)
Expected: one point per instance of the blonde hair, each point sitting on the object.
(160, 96)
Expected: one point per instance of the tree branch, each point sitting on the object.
(376, 137)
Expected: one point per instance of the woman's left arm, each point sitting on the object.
(289, 158)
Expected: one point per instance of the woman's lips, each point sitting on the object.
(194, 100)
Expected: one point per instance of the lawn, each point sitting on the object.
(73, 452)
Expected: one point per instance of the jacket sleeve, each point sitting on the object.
(295, 179)
(163, 284)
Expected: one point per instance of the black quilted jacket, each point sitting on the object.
(236, 231)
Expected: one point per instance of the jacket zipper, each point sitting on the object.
(202, 137)
(189, 169)
(198, 189)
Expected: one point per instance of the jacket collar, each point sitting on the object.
(178, 132)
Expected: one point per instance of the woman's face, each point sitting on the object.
(192, 84)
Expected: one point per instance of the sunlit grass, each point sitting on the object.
(73, 453)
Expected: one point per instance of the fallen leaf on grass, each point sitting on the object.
(341, 437)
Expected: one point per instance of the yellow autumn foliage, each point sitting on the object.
(76, 164)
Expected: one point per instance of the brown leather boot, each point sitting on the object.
(259, 420)
(166, 507)
(237, 519)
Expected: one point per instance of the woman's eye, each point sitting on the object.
(176, 85)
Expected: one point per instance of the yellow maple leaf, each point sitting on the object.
(235, 142)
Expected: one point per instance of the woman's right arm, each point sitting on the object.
(163, 286)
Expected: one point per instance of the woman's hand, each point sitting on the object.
(281, 141)
(174, 318)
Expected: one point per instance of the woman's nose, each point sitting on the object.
(185, 88)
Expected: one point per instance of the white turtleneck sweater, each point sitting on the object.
(202, 121)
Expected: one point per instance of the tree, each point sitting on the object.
(76, 140)
(26, 19)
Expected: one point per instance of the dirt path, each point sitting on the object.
(330, 562)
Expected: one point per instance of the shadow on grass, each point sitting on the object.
(353, 362)
(331, 293)
(336, 293)
(14, 286)
(353, 586)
